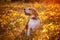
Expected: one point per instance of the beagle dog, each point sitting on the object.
(34, 21)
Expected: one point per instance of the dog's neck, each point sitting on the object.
(34, 17)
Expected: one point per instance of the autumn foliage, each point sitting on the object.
(13, 21)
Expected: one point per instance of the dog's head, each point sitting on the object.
(30, 11)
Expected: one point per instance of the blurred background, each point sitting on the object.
(13, 19)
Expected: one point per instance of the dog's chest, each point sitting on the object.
(33, 23)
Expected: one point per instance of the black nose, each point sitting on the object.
(24, 9)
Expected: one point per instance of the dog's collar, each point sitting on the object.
(34, 17)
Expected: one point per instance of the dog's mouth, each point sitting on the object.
(28, 11)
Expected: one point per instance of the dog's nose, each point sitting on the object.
(24, 9)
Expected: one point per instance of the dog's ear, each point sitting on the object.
(35, 12)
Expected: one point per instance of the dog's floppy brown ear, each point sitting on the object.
(34, 12)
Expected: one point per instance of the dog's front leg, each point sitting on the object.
(28, 31)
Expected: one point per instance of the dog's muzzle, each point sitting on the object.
(27, 11)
